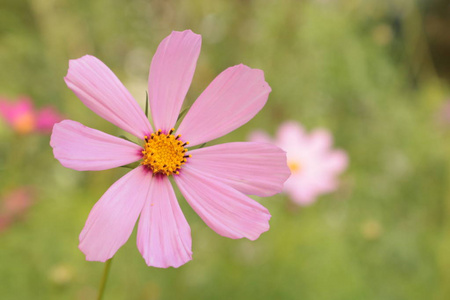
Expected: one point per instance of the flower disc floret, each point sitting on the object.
(164, 153)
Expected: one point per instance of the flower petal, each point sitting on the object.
(301, 193)
(336, 161)
(320, 141)
(251, 168)
(224, 209)
(46, 118)
(260, 137)
(171, 73)
(13, 111)
(85, 149)
(231, 100)
(164, 236)
(112, 218)
(292, 138)
(102, 92)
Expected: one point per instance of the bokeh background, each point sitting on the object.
(374, 73)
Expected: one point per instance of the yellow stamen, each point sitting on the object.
(294, 166)
(164, 153)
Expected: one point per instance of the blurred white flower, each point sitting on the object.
(313, 163)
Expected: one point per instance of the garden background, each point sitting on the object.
(373, 73)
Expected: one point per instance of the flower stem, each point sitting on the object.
(104, 279)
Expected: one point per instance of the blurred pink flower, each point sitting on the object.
(214, 180)
(24, 119)
(46, 118)
(14, 205)
(19, 114)
(314, 164)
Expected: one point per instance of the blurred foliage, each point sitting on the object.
(359, 68)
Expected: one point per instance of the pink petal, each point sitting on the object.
(101, 91)
(260, 136)
(112, 218)
(224, 209)
(46, 118)
(171, 75)
(19, 115)
(320, 140)
(303, 196)
(290, 137)
(164, 236)
(85, 149)
(336, 161)
(304, 188)
(231, 100)
(251, 168)
(13, 111)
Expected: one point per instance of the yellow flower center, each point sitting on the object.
(25, 123)
(294, 166)
(164, 153)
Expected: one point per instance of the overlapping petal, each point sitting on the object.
(171, 73)
(224, 209)
(231, 100)
(112, 218)
(101, 91)
(85, 149)
(251, 168)
(164, 236)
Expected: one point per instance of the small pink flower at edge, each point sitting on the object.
(314, 164)
(214, 180)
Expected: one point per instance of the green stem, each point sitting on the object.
(101, 290)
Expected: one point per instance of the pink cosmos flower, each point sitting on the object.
(24, 119)
(214, 180)
(314, 164)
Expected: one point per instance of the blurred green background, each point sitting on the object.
(375, 73)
